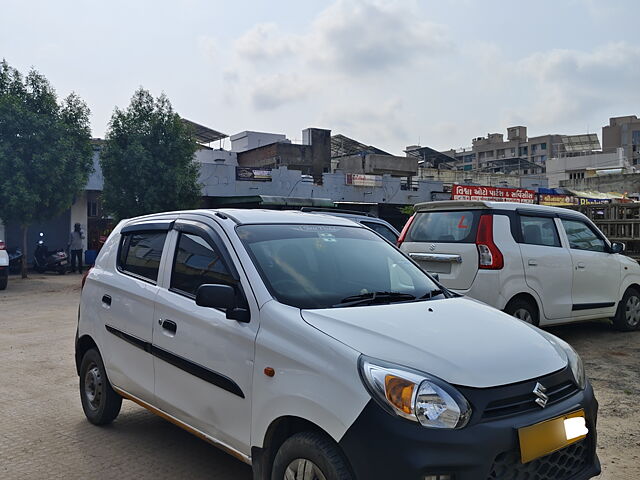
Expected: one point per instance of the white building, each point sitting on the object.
(582, 166)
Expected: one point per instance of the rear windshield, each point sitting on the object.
(444, 227)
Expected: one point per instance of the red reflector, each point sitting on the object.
(405, 229)
(489, 255)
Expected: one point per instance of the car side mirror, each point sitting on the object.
(617, 247)
(224, 297)
(436, 276)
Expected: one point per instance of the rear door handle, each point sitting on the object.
(170, 326)
(533, 263)
(106, 299)
(581, 266)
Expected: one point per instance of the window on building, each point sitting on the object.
(534, 149)
(543, 158)
(513, 152)
(543, 146)
(140, 254)
(523, 151)
(92, 208)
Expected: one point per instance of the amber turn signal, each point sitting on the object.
(269, 372)
(399, 392)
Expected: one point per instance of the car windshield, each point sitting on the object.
(322, 266)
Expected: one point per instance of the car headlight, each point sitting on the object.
(574, 360)
(414, 395)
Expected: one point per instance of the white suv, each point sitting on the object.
(544, 265)
(311, 348)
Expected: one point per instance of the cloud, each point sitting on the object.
(274, 91)
(208, 46)
(363, 37)
(570, 82)
(265, 42)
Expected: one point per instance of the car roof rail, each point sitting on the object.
(337, 210)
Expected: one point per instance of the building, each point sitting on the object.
(576, 167)
(266, 150)
(519, 154)
(623, 132)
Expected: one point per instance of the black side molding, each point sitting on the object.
(591, 306)
(188, 366)
(199, 371)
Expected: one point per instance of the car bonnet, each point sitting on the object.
(458, 340)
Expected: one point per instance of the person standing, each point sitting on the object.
(75, 246)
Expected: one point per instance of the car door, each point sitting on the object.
(547, 264)
(203, 360)
(596, 278)
(127, 308)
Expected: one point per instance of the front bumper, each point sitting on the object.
(381, 446)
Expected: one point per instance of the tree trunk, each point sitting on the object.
(24, 250)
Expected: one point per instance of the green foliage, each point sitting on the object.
(148, 159)
(407, 210)
(45, 148)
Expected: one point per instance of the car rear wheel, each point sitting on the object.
(524, 310)
(4, 279)
(310, 456)
(101, 404)
(628, 314)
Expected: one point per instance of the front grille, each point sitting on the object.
(561, 465)
(527, 402)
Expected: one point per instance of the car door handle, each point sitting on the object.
(106, 299)
(533, 263)
(170, 326)
(581, 266)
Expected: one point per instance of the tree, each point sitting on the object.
(148, 159)
(45, 150)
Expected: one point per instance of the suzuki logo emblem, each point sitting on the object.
(543, 398)
(432, 247)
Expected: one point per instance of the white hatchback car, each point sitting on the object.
(545, 265)
(312, 349)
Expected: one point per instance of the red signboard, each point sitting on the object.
(492, 194)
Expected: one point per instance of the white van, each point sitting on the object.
(544, 265)
(311, 348)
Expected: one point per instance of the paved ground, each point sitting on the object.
(43, 433)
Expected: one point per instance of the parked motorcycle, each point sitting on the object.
(43, 259)
(15, 260)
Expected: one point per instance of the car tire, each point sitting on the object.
(627, 316)
(4, 279)
(310, 455)
(101, 404)
(524, 310)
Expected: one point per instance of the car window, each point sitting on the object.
(539, 231)
(196, 263)
(318, 266)
(140, 254)
(383, 230)
(582, 237)
(445, 227)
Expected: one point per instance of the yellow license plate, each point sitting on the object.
(551, 435)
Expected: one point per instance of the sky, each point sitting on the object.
(387, 73)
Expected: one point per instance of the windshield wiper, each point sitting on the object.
(374, 297)
(432, 293)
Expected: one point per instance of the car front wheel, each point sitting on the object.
(310, 456)
(628, 314)
(101, 404)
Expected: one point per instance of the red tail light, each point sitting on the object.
(2, 245)
(489, 255)
(405, 229)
